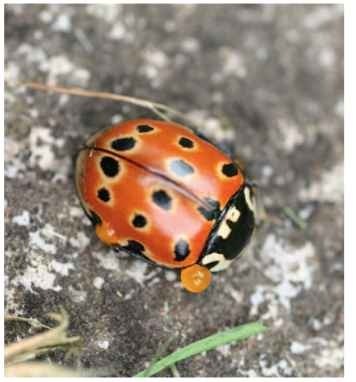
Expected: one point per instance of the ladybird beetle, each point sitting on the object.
(158, 190)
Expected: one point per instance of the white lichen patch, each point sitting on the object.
(103, 344)
(77, 296)
(155, 63)
(137, 271)
(257, 298)
(11, 295)
(198, 116)
(49, 231)
(277, 369)
(23, 219)
(32, 54)
(153, 281)
(39, 241)
(250, 373)
(190, 45)
(330, 187)
(42, 145)
(43, 157)
(76, 212)
(108, 13)
(332, 355)
(63, 23)
(170, 275)
(128, 295)
(44, 238)
(41, 270)
(290, 271)
(108, 260)
(321, 16)
(60, 65)
(61, 268)
(316, 324)
(298, 348)
(291, 264)
(232, 64)
(98, 282)
(46, 16)
(37, 276)
(339, 108)
(170, 25)
(81, 241)
(267, 171)
(327, 57)
(11, 171)
(12, 72)
(215, 126)
(54, 66)
(211, 126)
(119, 32)
(290, 135)
(13, 164)
(225, 350)
(237, 296)
(264, 294)
(17, 9)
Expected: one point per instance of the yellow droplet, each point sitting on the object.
(195, 278)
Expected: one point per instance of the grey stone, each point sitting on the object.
(267, 78)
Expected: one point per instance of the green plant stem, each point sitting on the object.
(236, 334)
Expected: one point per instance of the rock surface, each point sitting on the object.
(269, 79)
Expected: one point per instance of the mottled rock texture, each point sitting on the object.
(267, 78)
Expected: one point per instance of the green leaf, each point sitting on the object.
(235, 334)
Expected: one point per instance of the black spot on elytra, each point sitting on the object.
(181, 250)
(144, 128)
(110, 166)
(103, 194)
(186, 143)
(162, 199)
(180, 167)
(123, 144)
(135, 247)
(210, 213)
(139, 221)
(230, 169)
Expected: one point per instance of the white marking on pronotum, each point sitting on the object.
(222, 264)
(224, 230)
(233, 215)
(249, 200)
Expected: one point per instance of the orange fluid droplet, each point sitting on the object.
(195, 278)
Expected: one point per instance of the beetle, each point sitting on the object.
(158, 190)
